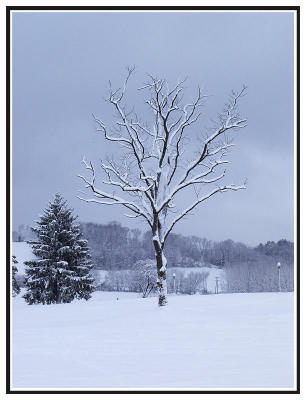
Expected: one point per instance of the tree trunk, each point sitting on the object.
(161, 264)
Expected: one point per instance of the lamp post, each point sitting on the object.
(279, 280)
(173, 281)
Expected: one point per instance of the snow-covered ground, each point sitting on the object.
(213, 341)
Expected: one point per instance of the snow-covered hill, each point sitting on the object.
(216, 341)
(23, 252)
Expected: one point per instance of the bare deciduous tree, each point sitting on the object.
(156, 166)
(145, 276)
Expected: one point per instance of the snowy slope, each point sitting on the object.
(23, 252)
(216, 341)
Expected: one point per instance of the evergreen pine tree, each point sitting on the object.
(15, 286)
(61, 271)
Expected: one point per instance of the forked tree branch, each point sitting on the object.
(157, 172)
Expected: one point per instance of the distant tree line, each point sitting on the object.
(142, 279)
(283, 250)
(259, 276)
(248, 269)
(114, 247)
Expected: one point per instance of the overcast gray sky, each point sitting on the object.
(62, 63)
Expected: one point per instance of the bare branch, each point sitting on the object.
(219, 189)
(110, 198)
(108, 137)
(156, 172)
(229, 122)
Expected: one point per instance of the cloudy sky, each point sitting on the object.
(62, 63)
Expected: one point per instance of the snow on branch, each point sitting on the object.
(219, 189)
(229, 120)
(155, 168)
(110, 198)
(123, 183)
(108, 137)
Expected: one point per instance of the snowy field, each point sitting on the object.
(213, 341)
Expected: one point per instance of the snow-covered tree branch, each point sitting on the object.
(160, 159)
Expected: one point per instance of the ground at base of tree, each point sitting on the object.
(119, 340)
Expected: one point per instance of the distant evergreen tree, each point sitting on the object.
(15, 286)
(61, 271)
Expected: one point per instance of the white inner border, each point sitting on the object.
(17, 3)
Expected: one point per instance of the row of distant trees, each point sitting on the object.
(239, 278)
(131, 266)
(142, 279)
(259, 276)
(63, 270)
(114, 247)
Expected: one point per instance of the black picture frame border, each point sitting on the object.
(9, 9)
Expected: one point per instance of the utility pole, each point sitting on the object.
(204, 284)
(174, 282)
(279, 277)
(217, 285)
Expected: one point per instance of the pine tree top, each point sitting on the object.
(56, 216)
